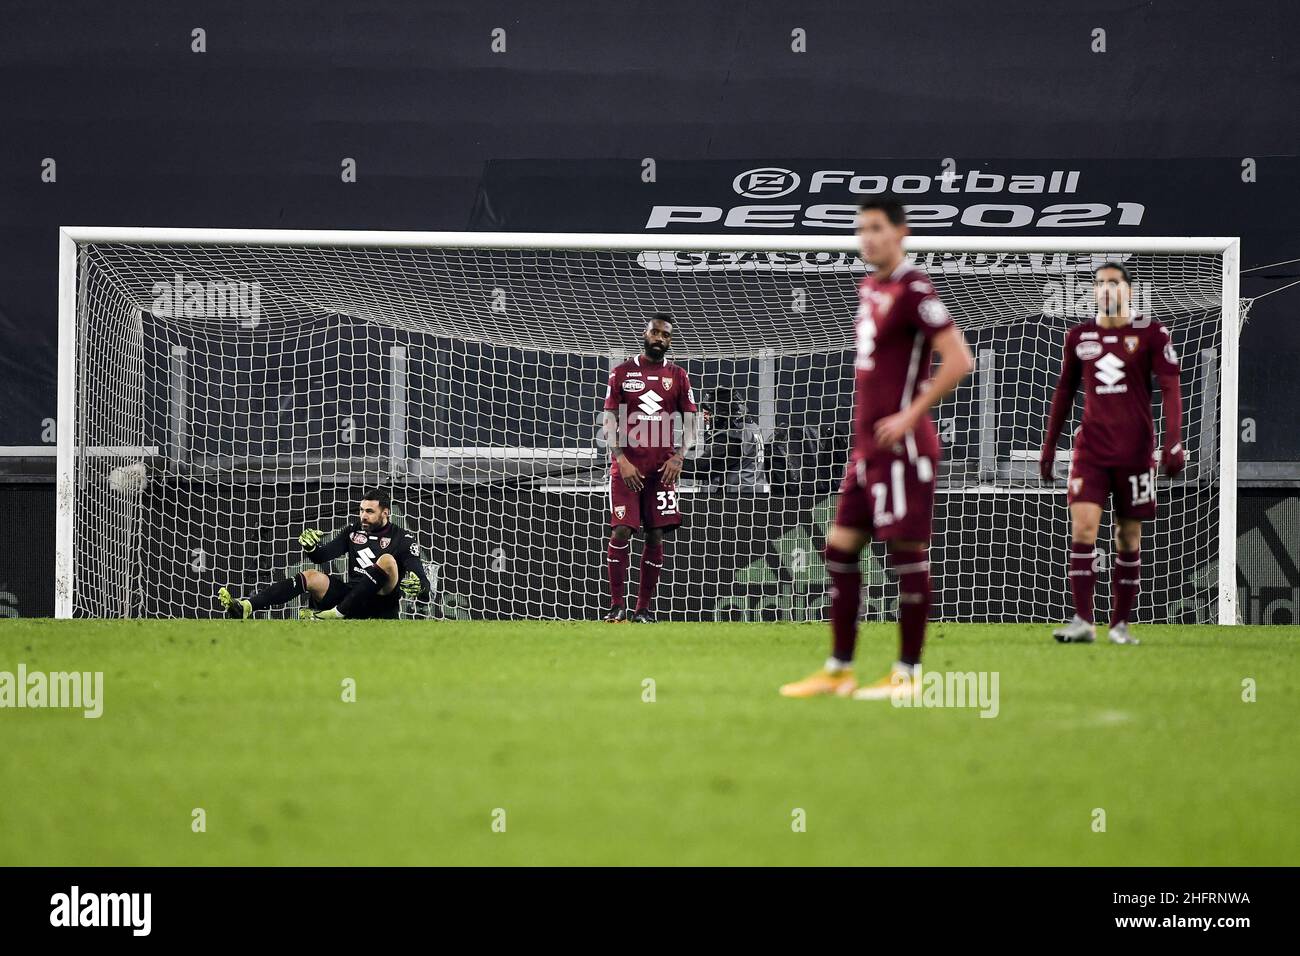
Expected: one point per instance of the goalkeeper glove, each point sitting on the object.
(1047, 463)
(310, 538)
(411, 586)
(1173, 459)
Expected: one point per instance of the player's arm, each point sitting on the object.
(324, 553)
(414, 581)
(1165, 368)
(1062, 399)
(609, 426)
(672, 468)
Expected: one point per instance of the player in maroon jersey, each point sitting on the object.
(889, 489)
(1115, 356)
(648, 423)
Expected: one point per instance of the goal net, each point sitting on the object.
(222, 390)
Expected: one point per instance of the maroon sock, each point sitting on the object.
(912, 566)
(652, 565)
(1127, 578)
(1083, 579)
(846, 585)
(618, 558)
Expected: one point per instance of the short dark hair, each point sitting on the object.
(1117, 267)
(377, 494)
(891, 206)
(659, 317)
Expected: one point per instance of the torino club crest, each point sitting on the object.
(620, 511)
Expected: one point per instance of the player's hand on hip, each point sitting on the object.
(672, 469)
(1047, 464)
(1173, 460)
(411, 585)
(310, 538)
(891, 429)
(630, 474)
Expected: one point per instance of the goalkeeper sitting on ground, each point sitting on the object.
(383, 567)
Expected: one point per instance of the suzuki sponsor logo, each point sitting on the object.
(939, 200)
(651, 403)
(1110, 372)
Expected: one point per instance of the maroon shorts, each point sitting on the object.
(656, 505)
(1134, 488)
(890, 497)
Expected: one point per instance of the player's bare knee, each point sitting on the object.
(1084, 523)
(654, 536)
(622, 533)
(845, 539)
(315, 583)
(388, 565)
(1128, 536)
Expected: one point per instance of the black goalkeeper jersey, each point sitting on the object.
(364, 548)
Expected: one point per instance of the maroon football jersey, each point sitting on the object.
(1116, 366)
(897, 317)
(646, 396)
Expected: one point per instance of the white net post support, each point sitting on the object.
(1232, 319)
(464, 372)
(64, 490)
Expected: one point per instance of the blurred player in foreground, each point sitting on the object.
(1115, 356)
(889, 489)
(378, 553)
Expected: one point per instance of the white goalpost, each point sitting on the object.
(221, 389)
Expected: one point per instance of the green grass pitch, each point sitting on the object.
(546, 722)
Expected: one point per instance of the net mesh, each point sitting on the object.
(228, 396)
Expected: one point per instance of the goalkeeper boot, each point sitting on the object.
(306, 614)
(617, 615)
(1119, 634)
(1078, 631)
(897, 683)
(234, 607)
(643, 617)
(833, 678)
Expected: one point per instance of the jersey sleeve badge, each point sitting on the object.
(933, 312)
